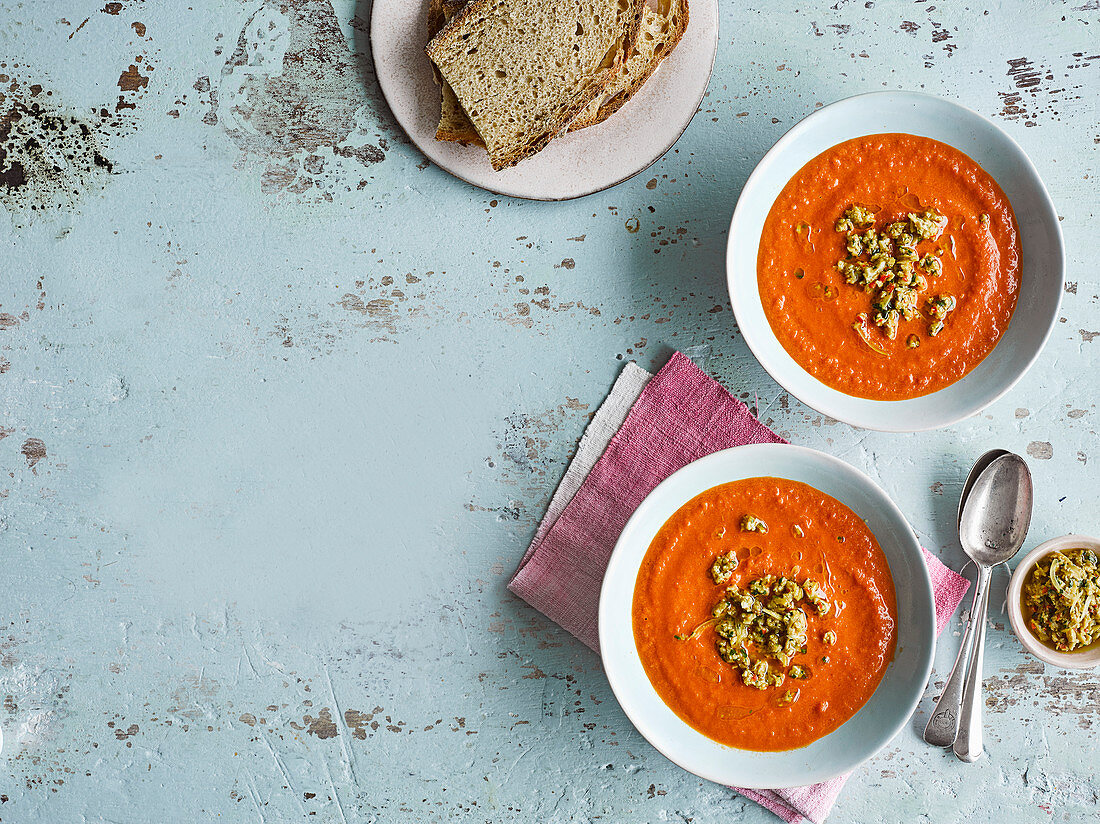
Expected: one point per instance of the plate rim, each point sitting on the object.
(923, 580)
(878, 417)
(712, 41)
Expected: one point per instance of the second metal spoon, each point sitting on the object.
(995, 520)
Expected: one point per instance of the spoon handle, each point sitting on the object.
(968, 744)
(943, 726)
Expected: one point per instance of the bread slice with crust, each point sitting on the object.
(436, 21)
(663, 24)
(454, 126)
(522, 70)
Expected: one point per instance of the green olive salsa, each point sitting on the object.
(1061, 599)
(888, 265)
(723, 567)
(750, 523)
(765, 619)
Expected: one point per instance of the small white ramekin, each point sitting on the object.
(1067, 660)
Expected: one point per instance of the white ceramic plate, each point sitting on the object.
(1042, 265)
(1086, 659)
(863, 734)
(576, 164)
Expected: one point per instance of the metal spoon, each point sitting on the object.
(978, 468)
(943, 726)
(995, 520)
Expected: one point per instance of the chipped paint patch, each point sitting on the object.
(524, 461)
(132, 80)
(1044, 89)
(359, 722)
(1040, 450)
(322, 726)
(537, 303)
(48, 158)
(193, 699)
(290, 96)
(32, 702)
(33, 450)
(51, 155)
(123, 734)
(379, 312)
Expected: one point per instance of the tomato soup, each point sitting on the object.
(821, 317)
(811, 538)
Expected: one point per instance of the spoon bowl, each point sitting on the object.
(979, 467)
(997, 512)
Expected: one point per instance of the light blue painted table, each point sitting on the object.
(282, 404)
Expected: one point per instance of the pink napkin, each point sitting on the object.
(678, 416)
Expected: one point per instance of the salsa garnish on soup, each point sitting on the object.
(765, 639)
(889, 266)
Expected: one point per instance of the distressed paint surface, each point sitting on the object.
(281, 403)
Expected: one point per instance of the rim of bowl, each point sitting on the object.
(827, 407)
(1065, 660)
(887, 733)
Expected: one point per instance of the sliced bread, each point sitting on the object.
(454, 125)
(663, 24)
(522, 70)
(436, 21)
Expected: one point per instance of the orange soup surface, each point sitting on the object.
(810, 535)
(813, 310)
